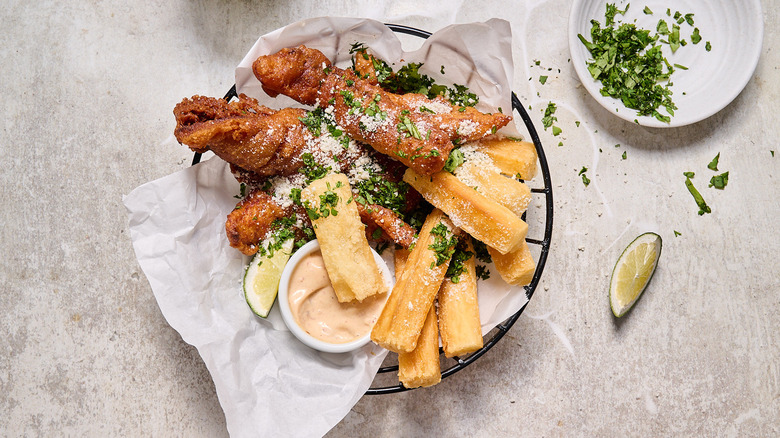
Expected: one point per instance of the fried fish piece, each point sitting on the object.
(243, 133)
(415, 130)
(249, 223)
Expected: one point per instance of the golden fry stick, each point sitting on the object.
(517, 267)
(348, 258)
(507, 191)
(481, 217)
(403, 316)
(459, 325)
(513, 157)
(421, 366)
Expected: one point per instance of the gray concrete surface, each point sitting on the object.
(87, 91)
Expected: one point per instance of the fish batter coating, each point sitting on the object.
(243, 133)
(250, 222)
(411, 128)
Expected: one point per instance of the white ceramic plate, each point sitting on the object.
(734, 28)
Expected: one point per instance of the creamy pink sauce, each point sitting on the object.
(317, 311)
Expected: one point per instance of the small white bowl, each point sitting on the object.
(713, 79)
(289, 318)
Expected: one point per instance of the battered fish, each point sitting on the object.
(417, 131)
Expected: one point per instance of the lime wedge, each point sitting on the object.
(261, 280)
(633, 271)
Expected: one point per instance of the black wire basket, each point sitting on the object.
(452, 365)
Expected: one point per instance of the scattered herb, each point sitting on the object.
(443, 244)
(720, 181)
(549, 118)
(312, 169)
(714, 163)
(681, 67)
(241, 191)
(383, 192)
(556, 131)
(647, 11)
(708, 46)
(456, 266)
(695, 37)
(455, 159)
(481, 251)
(624, 155)
(483, 273)
(542, 79)
(677, 233)
(703, 207)
(577, 122)
(585, 179)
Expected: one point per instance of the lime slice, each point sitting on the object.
(261, 280)
(633, 271)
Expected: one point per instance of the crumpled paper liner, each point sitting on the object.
(268, 382)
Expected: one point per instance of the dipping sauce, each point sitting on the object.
(318, 312)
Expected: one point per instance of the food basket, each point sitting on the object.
(386, 381)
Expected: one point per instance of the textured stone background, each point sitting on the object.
(87, 91)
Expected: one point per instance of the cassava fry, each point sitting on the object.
(345, 251)
(459, 325)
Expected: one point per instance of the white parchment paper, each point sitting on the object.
(267, 382)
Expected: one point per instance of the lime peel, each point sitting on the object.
(261, 279)
(633, 271)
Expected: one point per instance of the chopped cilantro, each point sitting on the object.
(681, 67)
(241, 191)
(647, 11)
(577, 122)
(443, 245)
(383, 192)
(456, 266)
(695, 37)
(481, 251)
(689, 19)
(703, 207)
(454, 160)
(677, 233)
(542, 79)
(556, 131)
(549, 118)
(312, 169)
(708, 46)
(624, 155)
(714, 163)
(585, 179)
(720, 181)
(483, 273)
(407, 127)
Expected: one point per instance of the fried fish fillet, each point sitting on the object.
(243, 133)
(251, 221)
(411, 128)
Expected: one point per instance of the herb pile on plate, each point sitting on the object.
(629, 63)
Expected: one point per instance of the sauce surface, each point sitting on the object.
(318, 312)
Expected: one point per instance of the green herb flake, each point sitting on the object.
(542, 79)
(647, 11)
(459, 257)
(695, 37)
(443, 244)
(585, 179)
(454, 160)
(549, 118)
(677, 233)
(689, 19)
(556, 131)
(714, 163)
(703, 207)
(560, 143)
(772, 152)
(708, 46)
(483, 273)
(720, 181)
(681, 67)
(624, 155)
(577, 122)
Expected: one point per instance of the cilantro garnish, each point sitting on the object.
(703, 207)
(708, 46)
(380, 191)
(720, 181)
(647, 11)
(714, 163)
(456, 267)
(483, 273)
(454, 160)
(328, 203)
(443, 244)
(695, 37)
(677, 233)
(312, 169)
(409, 128)
(549, 118)
(585, 179)
(630, 66)
(542, 79)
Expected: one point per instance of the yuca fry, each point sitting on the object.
(513, 157)
(459, 324)
(348, 258)
(402, 318)
(517, 267)
(508, 192)
(476, 214)
(421, 366)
